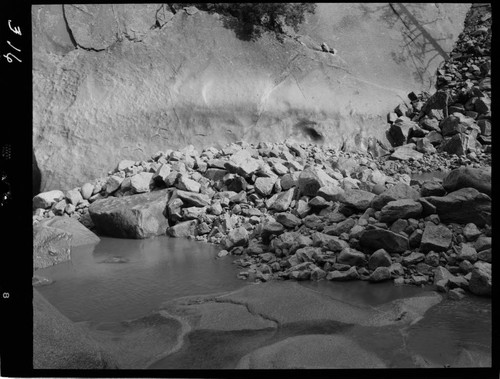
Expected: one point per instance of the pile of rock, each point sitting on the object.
(299, 212)
(457, 118)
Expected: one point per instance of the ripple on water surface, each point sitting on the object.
(122, 279)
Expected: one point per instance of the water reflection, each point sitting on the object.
(156, 270)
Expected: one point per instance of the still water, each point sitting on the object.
(118, 280)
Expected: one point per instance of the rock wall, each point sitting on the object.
(120, 81)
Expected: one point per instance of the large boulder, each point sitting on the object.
(136, 216)
(60, 344)
(46, 199)
(463, 206)
(377, 238)
(357, 200)
(50, 246)
(80, 235)
(463, 177)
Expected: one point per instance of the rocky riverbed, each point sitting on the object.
(302, 212)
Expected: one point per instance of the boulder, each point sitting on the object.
(141, 182)
(113, 183)
(480, 281)
(471, 232)
(456, 144)
(270, 229)
(186, 184)
(464, 177)
(399, 131)
(452, 125)
(341, 276)
(282, 200)
(80, 235)
(400, 209)
(380, 274)
(467, 252)
(432, 188)
(194, 199)
(435, 237)
(60, 344)
(357, 200)
(379, 258)
(183, 229)
(396, 192)
(50, 246)
(237, 237)
(463, 206)
(136, 216)
(86, 190)
(438, 100)
(74, 196)
(47, 199)
(288, 220)
(425, 146)
(351, 257)
(377, 238)
(331, 193)
(311, 179)
(242, 163)
(264, 186)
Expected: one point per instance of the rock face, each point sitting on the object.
(143, 78)
(137, 216)
(59, 344)
(80, 235)
(463, 206)
(50, 246)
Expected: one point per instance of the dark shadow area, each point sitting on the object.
(37, 175)
(307, 128)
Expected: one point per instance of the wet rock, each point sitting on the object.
(60, 344)
(374, 239)
(137, 216)
(400, 209)
(380, 274)
(379, 258)
(351, 257)
(50, 246)
(464, 177)
(463, 206)
(47, 199)
(480, 281)
(183, 229)
(311, 179)
(341, 276)
(435, 238)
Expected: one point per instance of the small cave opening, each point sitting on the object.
(308, 129)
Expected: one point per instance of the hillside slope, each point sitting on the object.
(109, 85)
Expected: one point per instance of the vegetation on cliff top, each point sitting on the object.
(250, 20)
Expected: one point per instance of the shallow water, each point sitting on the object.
(157, 270)
(102, 295)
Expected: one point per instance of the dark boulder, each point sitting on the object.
(463, 177)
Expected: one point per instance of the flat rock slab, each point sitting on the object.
(50, 246)
(136, 216)
(311, 351)
(60, 344)
(80, 234)
(289, 302)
